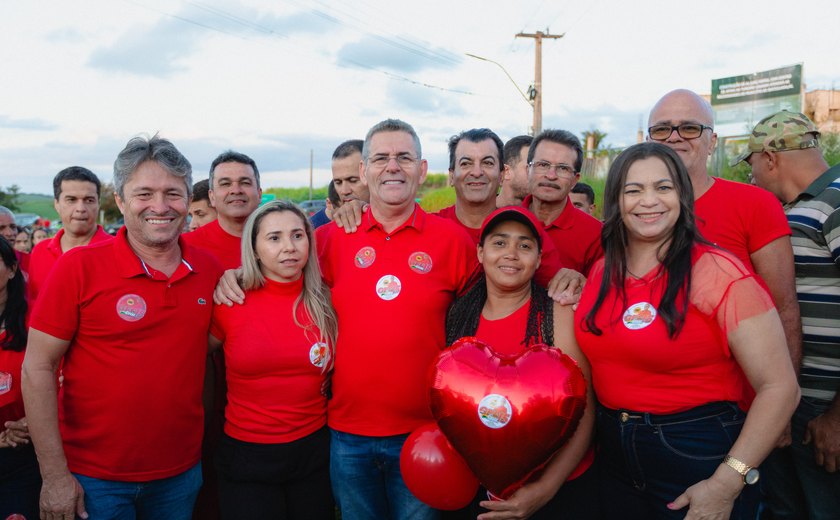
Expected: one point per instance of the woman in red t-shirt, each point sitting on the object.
(672, 325)
(273, 459)
(510, 312)
(20, 480)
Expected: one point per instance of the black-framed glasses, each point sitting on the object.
(562, 169)
(685, 130)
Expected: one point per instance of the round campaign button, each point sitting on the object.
(388, 287)
(639, 315)
(131, 307)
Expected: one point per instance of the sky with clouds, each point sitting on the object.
(278, 78)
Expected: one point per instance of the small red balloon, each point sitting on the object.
(506, 415)
(434, 472)
(16, 516)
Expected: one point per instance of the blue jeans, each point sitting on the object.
(165, 499)
(795, 487)
(366, 479)
(649, 460)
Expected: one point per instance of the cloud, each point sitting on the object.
(25, 124)
(396, 54)
(160, 50)
(417, 98)
(620, 125)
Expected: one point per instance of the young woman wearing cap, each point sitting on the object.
(509, 311)
(273, 459)
(671, 324)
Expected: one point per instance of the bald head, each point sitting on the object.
(679, 107)
(683, 101)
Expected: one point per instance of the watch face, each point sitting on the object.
(751, 477)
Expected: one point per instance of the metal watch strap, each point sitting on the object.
(737, 465)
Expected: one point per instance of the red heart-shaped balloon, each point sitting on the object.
(506, 415)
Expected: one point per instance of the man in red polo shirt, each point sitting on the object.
(128, 321)
(235, 193)
(76, 190)
(554, 161)
(392, 282)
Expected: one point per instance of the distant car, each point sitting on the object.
(25, 219)
(112, 228)
(310, 207)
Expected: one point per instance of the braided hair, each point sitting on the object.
(465, 313)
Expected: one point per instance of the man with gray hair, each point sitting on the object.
(128, 325)
(402, 267)
(803, 479)
(8, 226)
(8, 231)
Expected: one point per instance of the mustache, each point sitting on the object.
(550, 185)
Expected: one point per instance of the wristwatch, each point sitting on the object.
(750, 474)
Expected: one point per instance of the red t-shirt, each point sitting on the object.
(268, 355)
(506, 336)
(475, 233)
(45, 255)
(636, 366)
(391, 293)
(130, 407)
(11, 401)
(740, 218)
(549, 257)
(225, 247)
(576, 235)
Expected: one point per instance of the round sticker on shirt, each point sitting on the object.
(494, 411)
(639, 316)
(131, 307)
(365, 257)
(388, 287)
(318, 354)
(420, 262)
(5, 382)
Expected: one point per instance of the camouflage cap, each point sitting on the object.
(784, 130)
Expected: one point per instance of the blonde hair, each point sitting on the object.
(315, 295)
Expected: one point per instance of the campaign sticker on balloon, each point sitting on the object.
(365, 257)
(131, 307)
(639, 316)
(494, 411)
(5, 382)
(388, 287)
(318, 354)
(420, 262)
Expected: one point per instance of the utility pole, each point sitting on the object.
(311, 158)
(536, 90)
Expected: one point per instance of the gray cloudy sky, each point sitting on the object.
(276, 78)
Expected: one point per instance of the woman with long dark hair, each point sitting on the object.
(676, 329)
(20, 480)
(273, 459)
(510, 312)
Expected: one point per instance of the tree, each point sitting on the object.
(597, 137)
(10, 197)
(108, 204)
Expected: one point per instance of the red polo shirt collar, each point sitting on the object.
(130, 265)
(566, 218)
(417, 220)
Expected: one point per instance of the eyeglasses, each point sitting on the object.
(686, 131)
(404, 160)
(562, 169)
